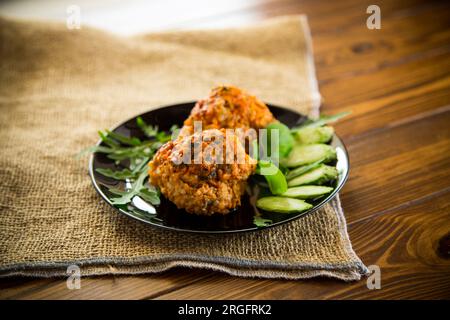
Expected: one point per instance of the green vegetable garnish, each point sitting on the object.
(261, 222)
(137, 189)
(311, 135)
(136, 154)
(118, 175)
(306, 154)
(274, 177)
(282, 205)
(307, 192)
(131, 141)
(136, 167)
(285, 139)
(149, 131)
(303, 169)
(323, 120)
(320, 175)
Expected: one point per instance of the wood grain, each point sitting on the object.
(402, 242)
(398, 165)
(396, 81)
(108, 287)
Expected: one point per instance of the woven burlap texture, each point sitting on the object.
(59, 86)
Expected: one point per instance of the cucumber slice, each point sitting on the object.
(306, 154)
(307, 192)
(317, 176)
(311, 135)
(282, 204)
(303, 169)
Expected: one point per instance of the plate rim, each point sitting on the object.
(326, 200)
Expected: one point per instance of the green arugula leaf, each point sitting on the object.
(150, 196)
(323, 120)
(131, 141)
(163, 137)
(152, 131)
(142, 151)
(137, 153)
(261, 222)
(148, 193)
(138, 164)
(149, 131)
(118, 175)
(127, 195)
(107, 140)
(94, 149)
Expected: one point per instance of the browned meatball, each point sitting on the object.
(228, 107)
(213, 185)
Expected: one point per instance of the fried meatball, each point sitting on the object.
(228, 107)
(211, 183)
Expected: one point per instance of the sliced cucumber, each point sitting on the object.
(282, 204)
(303, 169)
(318, 176)
(307, 192)
(306, 154)
(311, 135)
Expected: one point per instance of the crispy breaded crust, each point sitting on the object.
(228, 107)
(212, 186)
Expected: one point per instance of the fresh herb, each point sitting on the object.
(261, 222)
(285, 139)
(118, 175)
(149, 131)
(133, 154)
(131, 141)
(323, 120)
(138, 188)
(274, 177)
(152, 131)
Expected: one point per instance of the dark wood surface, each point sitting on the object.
(397, 201)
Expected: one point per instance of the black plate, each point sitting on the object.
(168, 216)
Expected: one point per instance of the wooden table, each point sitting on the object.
(397, 200)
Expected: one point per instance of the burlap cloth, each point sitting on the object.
(59, 86)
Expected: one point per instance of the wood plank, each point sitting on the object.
(404, 243)
(323, 16)
(396, 166)
(387, 112)
(11, 287)
(401, 40)
(107, 287)
(356, 89)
